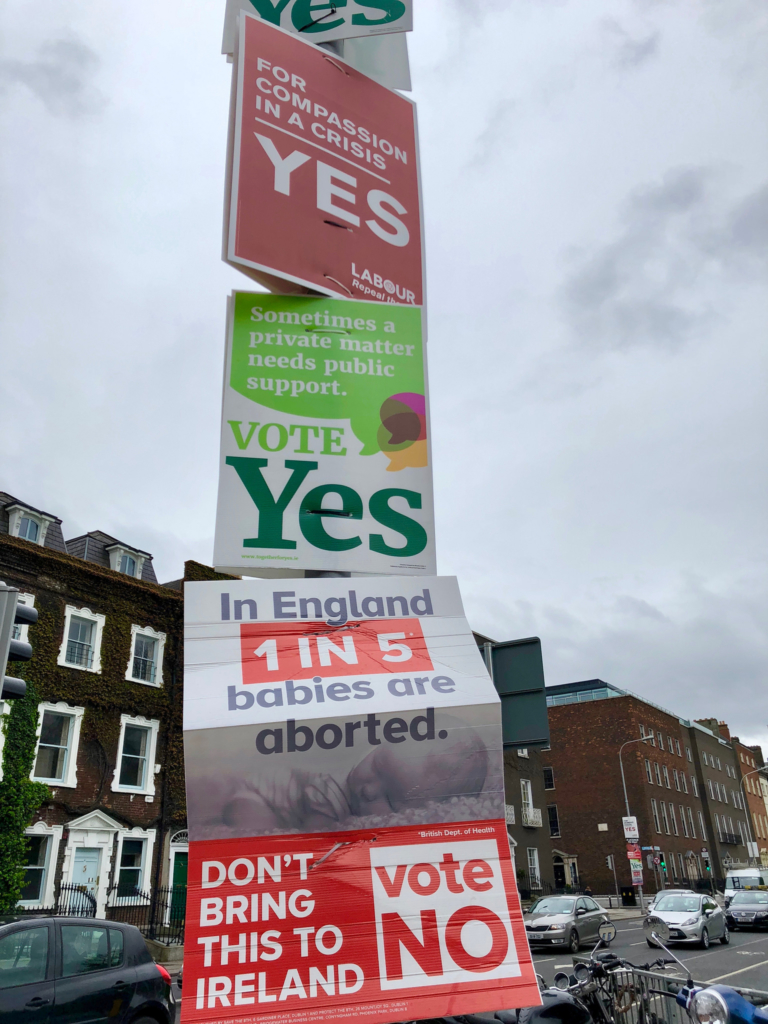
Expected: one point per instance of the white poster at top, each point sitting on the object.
(630, 828)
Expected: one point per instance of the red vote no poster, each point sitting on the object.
(349, 855)
(323, 173)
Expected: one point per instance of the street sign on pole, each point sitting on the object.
(323, 174)
(630, 827)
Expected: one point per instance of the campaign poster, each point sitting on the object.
(323, 187)
(322, 23)
(325, 441)
(348, 850)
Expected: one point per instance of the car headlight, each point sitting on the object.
(761, 913)
(708, 1007)
(557, 927)
(690, 922)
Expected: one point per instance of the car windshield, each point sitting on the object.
(745, 881)
(750, 897)
(553, 905)
(678, 904)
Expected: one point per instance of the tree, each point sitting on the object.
(19, 796)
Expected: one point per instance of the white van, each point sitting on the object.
(744, 878)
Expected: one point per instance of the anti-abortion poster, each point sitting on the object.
(325, 445)
(348, 850)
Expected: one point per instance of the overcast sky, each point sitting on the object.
(596, 203)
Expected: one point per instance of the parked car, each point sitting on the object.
(68, 970)
(564, 921)
(744, 878)
(692, 919)
(669, 892)
(748, 910)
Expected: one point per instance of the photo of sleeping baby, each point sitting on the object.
(319, 775)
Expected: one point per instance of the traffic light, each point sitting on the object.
(12, 614)
(609, 861)
(662, 865)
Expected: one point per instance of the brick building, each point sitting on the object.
(107, 668)
(752, 777)
(668, 781)
(527, 823)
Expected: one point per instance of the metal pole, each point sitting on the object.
(626, 804)
(615, 880)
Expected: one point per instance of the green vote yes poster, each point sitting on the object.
(325, 442)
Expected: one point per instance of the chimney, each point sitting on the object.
(724, 730)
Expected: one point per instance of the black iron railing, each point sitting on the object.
(71, 901)
(79, 654)
(159, 916)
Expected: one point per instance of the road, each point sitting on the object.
(744, 963)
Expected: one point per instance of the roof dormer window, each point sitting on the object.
(28, 525)
(126, 560)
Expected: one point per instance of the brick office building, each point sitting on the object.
(528, 826)
(668, 787)
(107, 666)
(749, 765)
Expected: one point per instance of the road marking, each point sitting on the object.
(750, 967)
(686, 959)
(638, 943)
(545, 961)
(563, 965)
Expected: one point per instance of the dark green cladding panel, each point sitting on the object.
(518, 675)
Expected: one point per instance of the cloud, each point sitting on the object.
(648, 287)
(629, 52)
(61, 77)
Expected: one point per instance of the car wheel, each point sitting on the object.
(726, 937)
(573, 941)
(704, 938)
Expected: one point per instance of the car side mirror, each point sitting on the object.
(580, 911)
(708, 913)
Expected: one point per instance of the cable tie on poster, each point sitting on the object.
(335, 224)
(337, 846)
(341, 69)
(329, 278)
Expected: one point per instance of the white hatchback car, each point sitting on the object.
(692, 919)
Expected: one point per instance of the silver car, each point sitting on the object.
(564, 921)
(668, 892)
(692, 919)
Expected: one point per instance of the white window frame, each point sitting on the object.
(670, 745)
(534, 870)
(676, 778)
(688, 754)
(70, 773)
(673, 818)
(648, 771)
(665, 773)
(684, 780)
(98, 619)
(691, 825)
(526, 793)
(159, 639)
(683, 821)
(655, 812)
(657, 772)
(28, 600)
(702, 827)
(677, 748)
(148, 789)
(695, 786)
(148, 837)
(18, 512)
(719, 766)
(664, 817)
(54, 834)
(522, 751)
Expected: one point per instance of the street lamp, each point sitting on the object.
(746, 801)
(626, 801)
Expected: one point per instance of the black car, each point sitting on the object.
(748, 909)
(72, 970)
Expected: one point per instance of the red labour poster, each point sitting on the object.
(348, 854)
(323, 174)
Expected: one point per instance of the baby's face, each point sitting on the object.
(367, 788)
